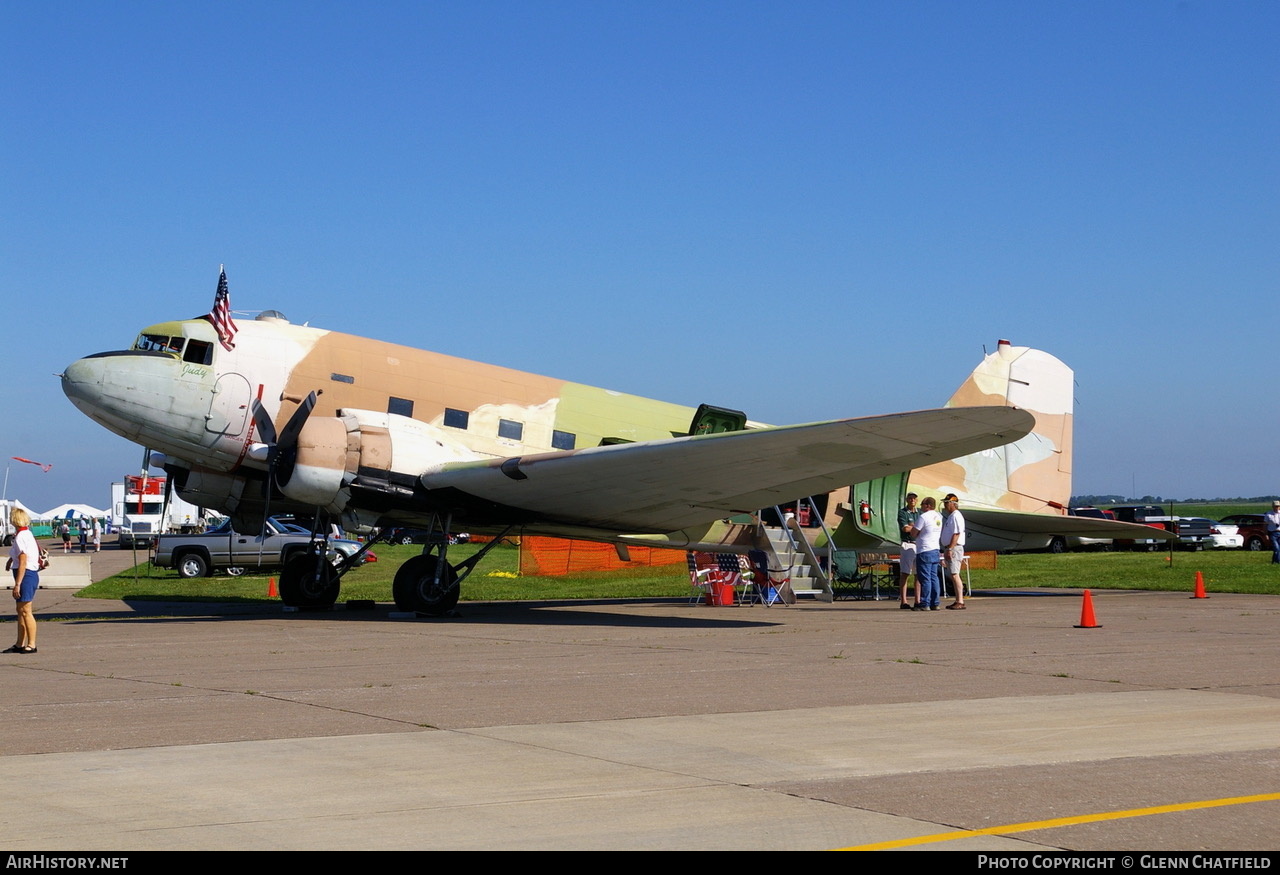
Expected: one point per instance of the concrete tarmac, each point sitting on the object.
(620, 724)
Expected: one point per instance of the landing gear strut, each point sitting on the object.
(419, 588)
(310, 579)
(428, 584)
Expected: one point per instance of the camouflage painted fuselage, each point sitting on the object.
(184, 395)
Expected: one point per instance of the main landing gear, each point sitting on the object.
(428, 584)
(309, 580)
(312, 579)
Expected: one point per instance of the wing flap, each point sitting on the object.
(662, 486)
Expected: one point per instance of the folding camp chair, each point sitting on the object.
(699, 578)
(772, 585)
(847, 581)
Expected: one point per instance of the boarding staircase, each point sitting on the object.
(792, 552)
(789, 548)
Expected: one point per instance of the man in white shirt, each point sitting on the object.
(927, 532)
(1273, 529)
(952, 546)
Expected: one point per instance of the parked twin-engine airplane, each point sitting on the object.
(270, 416)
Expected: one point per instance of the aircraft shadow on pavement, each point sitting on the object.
(525, 613)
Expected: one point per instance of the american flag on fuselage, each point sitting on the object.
(220, 316)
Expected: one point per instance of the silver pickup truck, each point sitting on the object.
(226, 549)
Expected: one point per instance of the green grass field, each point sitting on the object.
(495, 580)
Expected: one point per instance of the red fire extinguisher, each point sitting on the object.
(864, 511)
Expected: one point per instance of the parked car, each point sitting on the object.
(400, 535)
(1252, 528)
(1224, 535)
(197, 555)
(1138, 513)
(1061, 543)
(344, 547)
(1193, 532)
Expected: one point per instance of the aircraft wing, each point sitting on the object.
(666, 485)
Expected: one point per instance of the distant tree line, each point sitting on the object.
(1082, 500)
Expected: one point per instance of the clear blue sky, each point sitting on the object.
(803, 210)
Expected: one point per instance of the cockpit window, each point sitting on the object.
(158, 343)
(199, 352)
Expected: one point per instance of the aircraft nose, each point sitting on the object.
(144, 397)
(82, 380)
(104, 392)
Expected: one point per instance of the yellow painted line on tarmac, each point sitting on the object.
(1062, 821)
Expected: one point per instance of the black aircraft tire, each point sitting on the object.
(299, 587)
(415, 588)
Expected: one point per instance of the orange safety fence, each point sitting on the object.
(983, 559)
(556, 557)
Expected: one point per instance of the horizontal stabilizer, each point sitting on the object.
(662, 486)
(1012, 528)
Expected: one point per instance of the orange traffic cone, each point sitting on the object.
(1086, 613)
(1200, 593)
(271, 588)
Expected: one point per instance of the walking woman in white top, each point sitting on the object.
(24, 562)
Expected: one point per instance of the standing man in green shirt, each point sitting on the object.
(907, 518)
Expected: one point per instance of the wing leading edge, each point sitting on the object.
(662, 486)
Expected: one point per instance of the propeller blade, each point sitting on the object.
(292, 428)
(287, 449)
(266, 428)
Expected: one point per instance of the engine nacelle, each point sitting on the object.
(332, 451)
(326, 460)
(216, 490)
(238, 496)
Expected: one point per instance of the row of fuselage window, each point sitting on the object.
(509, 429)
(201, 352)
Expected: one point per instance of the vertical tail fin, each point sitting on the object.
(1032, 474)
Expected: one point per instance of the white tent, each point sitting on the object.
(67, 511)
